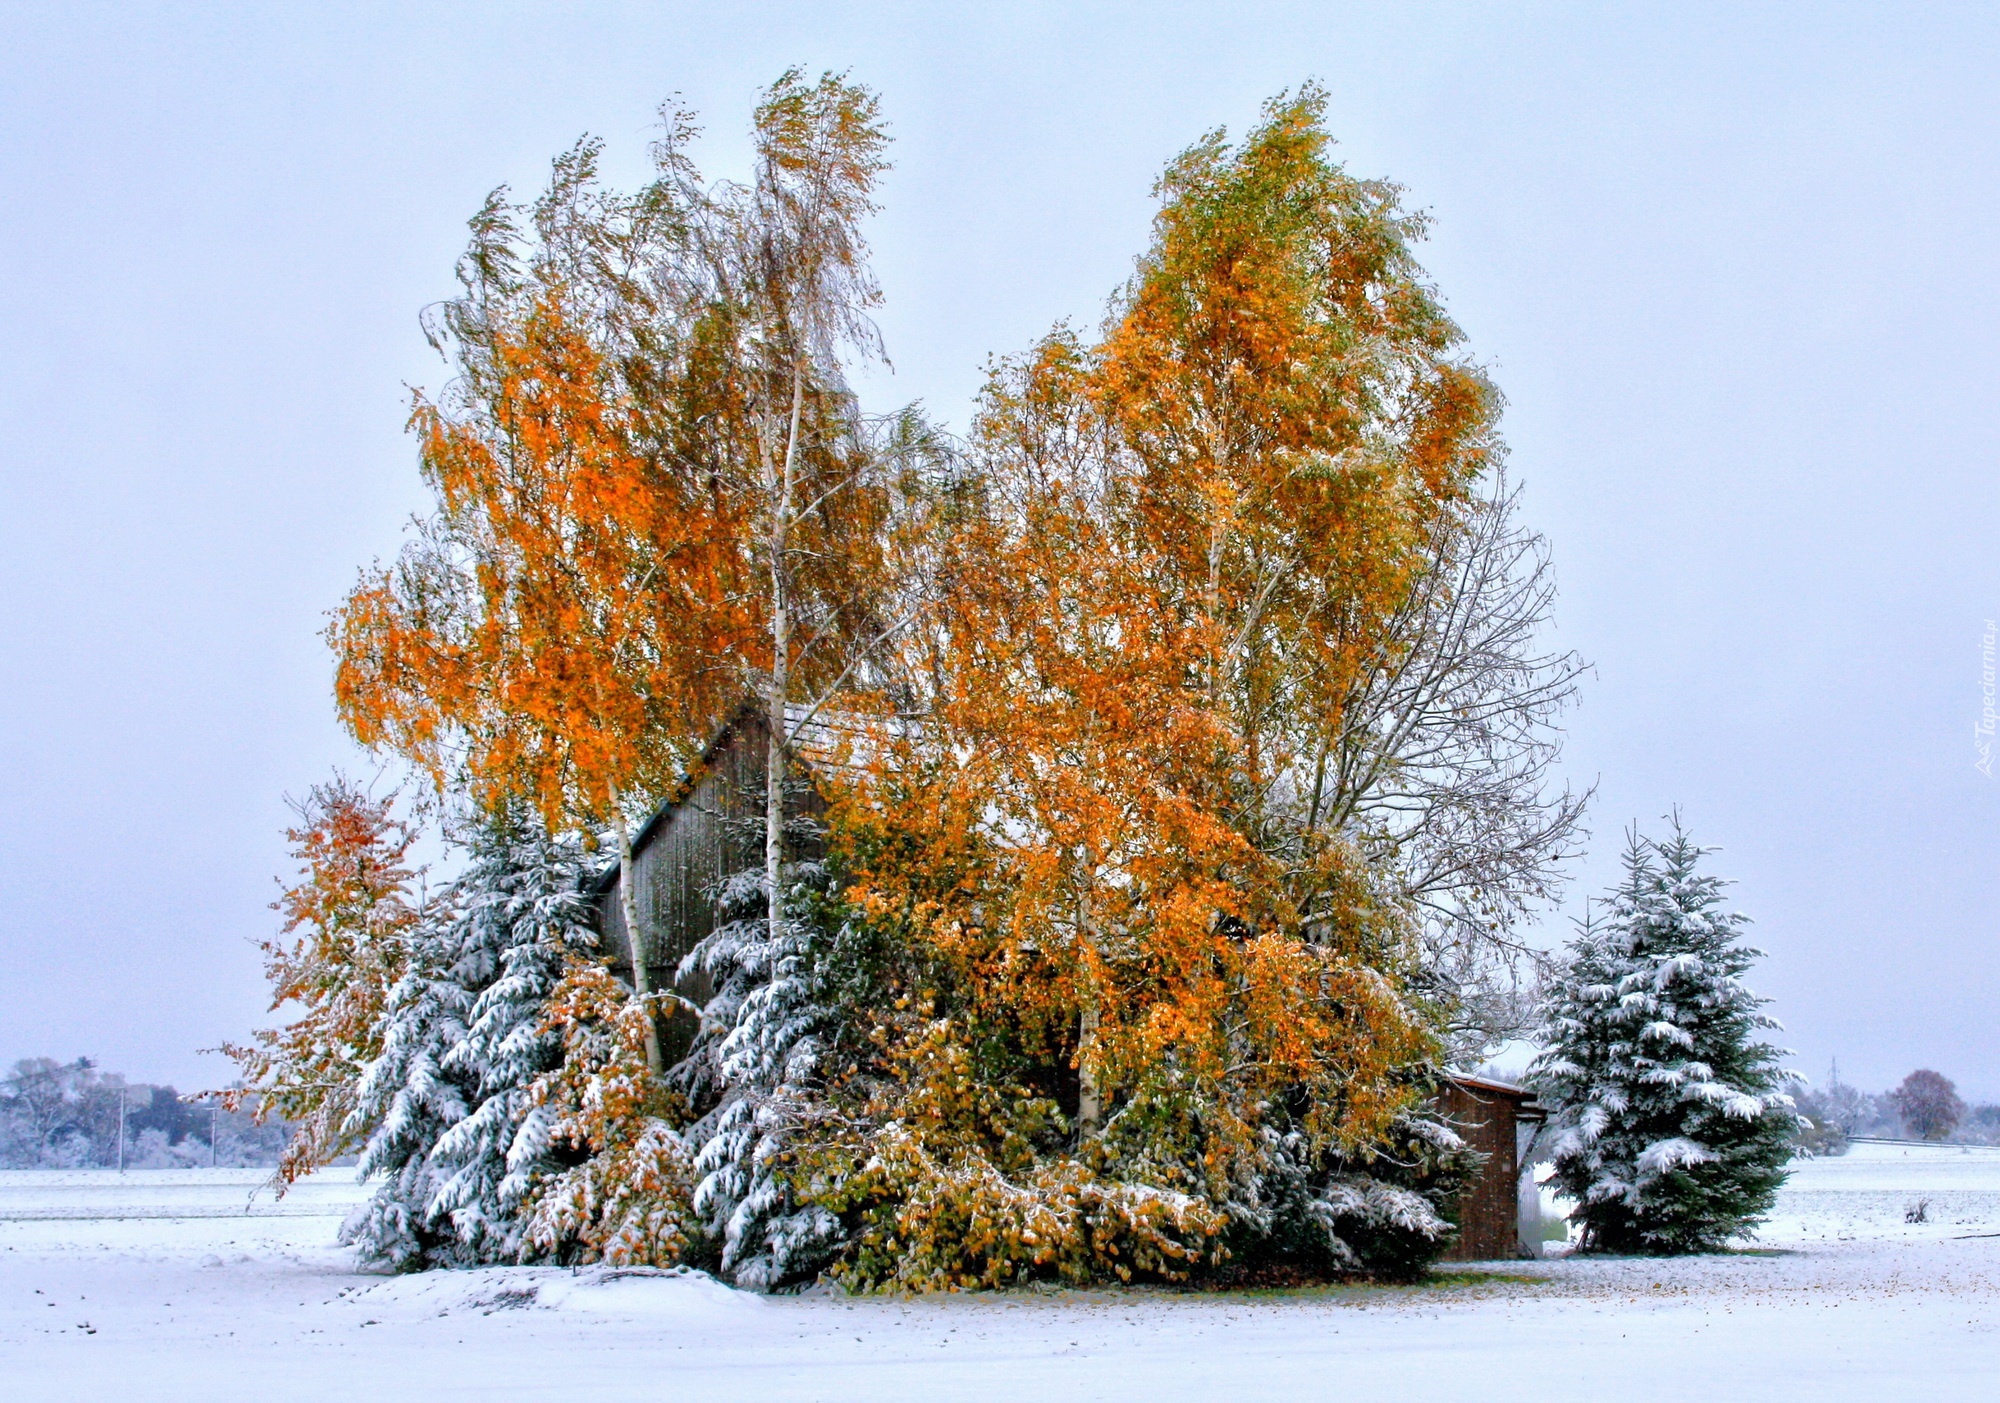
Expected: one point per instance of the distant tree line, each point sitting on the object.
(1924, 1106)
(68, 1115)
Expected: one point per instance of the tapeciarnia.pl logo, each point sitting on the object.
(1982, 732)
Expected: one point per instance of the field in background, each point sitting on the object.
(1866, 1194)
(194, 1284)
(34, 1195)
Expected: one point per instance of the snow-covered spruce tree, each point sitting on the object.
(457, 1140)
(783, 1009)
(1670, 1123)
(411, 1099)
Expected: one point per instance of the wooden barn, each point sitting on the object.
(712, 827)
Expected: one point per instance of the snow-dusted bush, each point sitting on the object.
(1386, 1213)
(855, 1119)
(627, 1197)
(1670, 1123)
(928, 1219)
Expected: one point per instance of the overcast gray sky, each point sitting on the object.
(1735, 271)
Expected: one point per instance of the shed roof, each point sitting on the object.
(1525, 1105)
(1498, 1088)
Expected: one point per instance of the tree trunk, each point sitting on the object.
(1089, 1100)
(1089, 1096)
(774, 813)
(628, 909)
(777, 752)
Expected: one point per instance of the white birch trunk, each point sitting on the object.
(1089, 1097)
(780, 479)
(1089, 1100)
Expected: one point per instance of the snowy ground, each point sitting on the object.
(180, 1285)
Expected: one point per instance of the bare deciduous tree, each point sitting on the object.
(1928, 1104)
(1443, 773)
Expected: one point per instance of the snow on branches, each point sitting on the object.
(625, 1196)
(1197, 740)
(1670, 1123)
(465, 1037)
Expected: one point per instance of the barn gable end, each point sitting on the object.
(712, 827)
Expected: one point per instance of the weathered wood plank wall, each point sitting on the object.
(1488, 1116)
(712, 829)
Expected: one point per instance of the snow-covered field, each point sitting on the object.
(180, 1285)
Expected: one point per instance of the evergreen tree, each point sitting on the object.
(1670, 1120)
(1387, 1212)
(457, 1137)
(782, 1004)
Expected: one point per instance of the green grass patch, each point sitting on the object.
(1435, 1282)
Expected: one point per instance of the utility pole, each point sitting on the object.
(121, 1130)
(211, 1136)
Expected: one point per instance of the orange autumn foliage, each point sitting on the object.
(655, 496)
(557, 629)
(341, 949)
(1108, 823)
(627, 1201)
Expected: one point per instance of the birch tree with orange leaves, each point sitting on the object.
(656, 495)
(1180, 548)
(790, 263)
(552, 630)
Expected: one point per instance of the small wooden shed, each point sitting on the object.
(1499, 1217)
